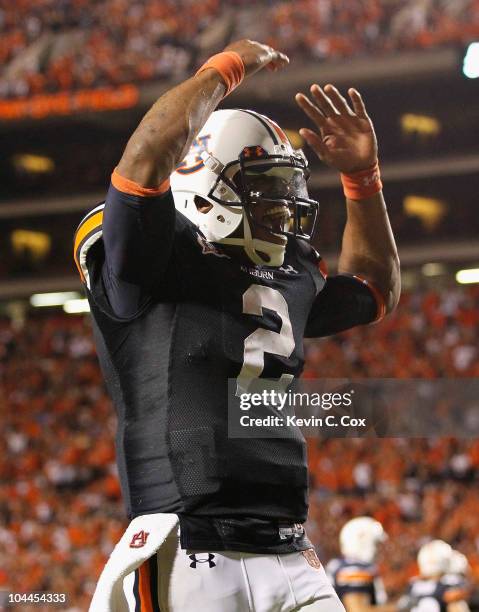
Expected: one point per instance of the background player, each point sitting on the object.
(355, 574)
(177, 312)
(435, 590)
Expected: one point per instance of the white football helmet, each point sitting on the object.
(458, 564)
(434, 558)
(233, 148)
(360, 537)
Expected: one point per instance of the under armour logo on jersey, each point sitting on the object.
(288, 269)
(139, 539)
(195, 559)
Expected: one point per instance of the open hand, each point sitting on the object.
(345, 138)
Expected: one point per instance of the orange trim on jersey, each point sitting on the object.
(85, 228)
(323, 268)
(380, 301)
(144, 590)
(126, 186)
(356, 575)
(455, 595)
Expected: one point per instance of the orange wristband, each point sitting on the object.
(230, 66)
(362, 185)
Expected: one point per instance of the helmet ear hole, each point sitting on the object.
(202, 205)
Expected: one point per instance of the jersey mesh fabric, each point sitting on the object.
(167, 354)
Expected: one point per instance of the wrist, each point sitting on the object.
(229, 66)
(362, 184)
(212, 79)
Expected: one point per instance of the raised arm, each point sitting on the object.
(139, 217)
(345, 140)
(167, 130)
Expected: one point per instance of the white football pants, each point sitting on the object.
(170, 579)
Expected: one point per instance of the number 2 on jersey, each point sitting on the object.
(262, 341)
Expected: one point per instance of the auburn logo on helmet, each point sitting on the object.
(193, 162)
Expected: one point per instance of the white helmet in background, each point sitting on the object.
(434, 558)
(233, 147)
(359, 539)
(458, 564)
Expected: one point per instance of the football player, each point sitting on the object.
(459, 574)
(459, 567)
(435, 589)
(355, 575)
(198, 269)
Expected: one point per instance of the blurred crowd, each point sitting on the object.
(60, 503)
(418, 489)
(52, 45)
(432, 334)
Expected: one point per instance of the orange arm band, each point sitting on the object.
(362, 185)
(126, 186)
(230, 66)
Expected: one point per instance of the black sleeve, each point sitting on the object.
(138, 235)
(344, 302)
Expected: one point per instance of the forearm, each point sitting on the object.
(166, 132)
(369, 248)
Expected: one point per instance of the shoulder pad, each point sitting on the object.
(87, 233)
(357, 573)
(452, 580)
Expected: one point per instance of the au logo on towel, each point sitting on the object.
(139, 539)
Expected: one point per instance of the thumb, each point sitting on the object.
(314, 141)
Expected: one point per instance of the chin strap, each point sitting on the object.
(253, 246)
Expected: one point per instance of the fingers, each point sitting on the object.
(279, 57)
(330, 103)
(358, 104)
(323, 102)
(272, 57)
(311, 110)
(338, 100)
(277, 60)
(256, 56)
(314, 141)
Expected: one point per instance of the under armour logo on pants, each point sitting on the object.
(196, 559)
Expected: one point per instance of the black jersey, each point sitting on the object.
(434, 595)
(349, 576)
(174, 319)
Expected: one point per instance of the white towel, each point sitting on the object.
(143, 537)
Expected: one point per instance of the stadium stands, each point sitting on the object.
(51, 45)
(60, 508)
(60, 502)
